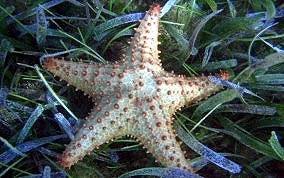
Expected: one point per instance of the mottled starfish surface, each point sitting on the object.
(134, 96)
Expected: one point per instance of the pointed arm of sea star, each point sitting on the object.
(155, 132)
(143, 49)
(108, 120)
(181, 91)
(94, 79)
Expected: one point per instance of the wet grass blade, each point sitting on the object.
(245, 108)
(273, 79)
(15, 150)
(47, 5)
(220, 98)
(276, 146)
(99, 30)
(9, 155)
(209, 154)
(161, 172)
(29, 123)
(41, 24)
(53, 93)
(246, 139)
(212, 66)
(267, 62)
(167, 7)
(266, 123)
(267, 87)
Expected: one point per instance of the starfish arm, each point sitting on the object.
(143, 49)
(102, 125)
(180, 91)
(94, 79)
(155, 132)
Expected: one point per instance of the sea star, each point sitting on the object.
(134, 97)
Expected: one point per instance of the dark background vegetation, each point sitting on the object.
(245, 38)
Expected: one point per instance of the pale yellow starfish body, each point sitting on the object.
(133, 97)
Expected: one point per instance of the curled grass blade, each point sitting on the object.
(208, 52)
(197, 30)
(253, 40)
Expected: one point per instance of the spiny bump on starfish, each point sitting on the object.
(133, 97)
